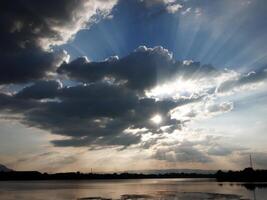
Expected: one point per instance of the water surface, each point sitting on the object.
(142, 189)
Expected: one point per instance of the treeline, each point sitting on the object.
(246, 175)
(35, 175)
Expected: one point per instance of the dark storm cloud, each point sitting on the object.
(90, 115)
(13, 105)
(110, 101)
(23, 25)
(26, 22)
(27, 64)
(98, 112)
(123, 140)
(142, 69)
(29, 27)
(40, 90)
(98, 115)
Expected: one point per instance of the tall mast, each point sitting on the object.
(250, 159)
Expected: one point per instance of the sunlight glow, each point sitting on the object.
(176, 89)
(181, 87)
(157, 119)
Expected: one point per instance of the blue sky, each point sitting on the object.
(129, 85)
(222, 33)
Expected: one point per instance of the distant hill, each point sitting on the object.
(164, 171)
(3, 168)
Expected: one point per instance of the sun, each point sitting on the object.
(157, 119)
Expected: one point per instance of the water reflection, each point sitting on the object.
(142, 189)
(173, 196)
(253, 187)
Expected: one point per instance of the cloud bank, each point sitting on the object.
(113, 101)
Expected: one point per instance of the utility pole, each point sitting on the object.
(250, 159)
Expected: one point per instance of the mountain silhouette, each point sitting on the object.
(3, 168)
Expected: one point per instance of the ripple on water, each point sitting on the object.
(174, 196)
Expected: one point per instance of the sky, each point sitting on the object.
(117, 85)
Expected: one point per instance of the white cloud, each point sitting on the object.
(173, 8)
(156, 50)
